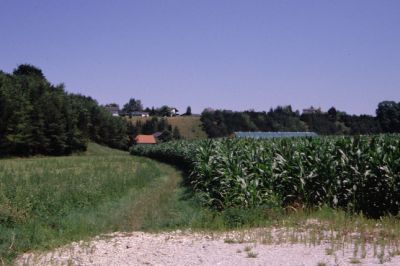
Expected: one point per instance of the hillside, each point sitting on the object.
(189, 126)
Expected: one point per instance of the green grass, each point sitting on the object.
(49, 201)
(252, 255)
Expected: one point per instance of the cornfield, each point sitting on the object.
(358, 174)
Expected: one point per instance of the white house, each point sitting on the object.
(174, 111)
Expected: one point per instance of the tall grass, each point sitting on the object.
(45, 202)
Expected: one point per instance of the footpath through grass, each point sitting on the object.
(46, 202)
(50, 201)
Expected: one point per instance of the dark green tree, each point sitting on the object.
(166, 136)
(188, 111)
(164, 111)
(332, 114)
(28, 70)
(132, 106)
(388, 115)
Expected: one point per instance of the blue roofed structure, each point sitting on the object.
(269, 135)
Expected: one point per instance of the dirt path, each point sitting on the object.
(189, 248)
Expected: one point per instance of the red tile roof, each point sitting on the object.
(145, 139)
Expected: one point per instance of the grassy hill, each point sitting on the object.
(189, 126)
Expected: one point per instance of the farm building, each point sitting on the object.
(269, 135)
(145, 139)
(174, 111)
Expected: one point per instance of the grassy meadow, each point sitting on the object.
(49, 201)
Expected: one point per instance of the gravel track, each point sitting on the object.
(193, 248)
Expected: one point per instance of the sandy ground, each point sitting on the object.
(191, 248)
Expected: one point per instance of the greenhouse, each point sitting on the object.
(267, 135)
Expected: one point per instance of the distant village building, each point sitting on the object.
(113, 109)
(312, 110)
(137, 113)
(174, 111)
(270, 135)
(145, 139)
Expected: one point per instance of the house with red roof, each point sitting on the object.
(145, 139)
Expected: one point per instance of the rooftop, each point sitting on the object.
(145, 139)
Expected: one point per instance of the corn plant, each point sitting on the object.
(359, 174)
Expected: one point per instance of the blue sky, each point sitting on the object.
(228, 54)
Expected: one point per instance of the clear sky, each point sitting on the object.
(228, 54)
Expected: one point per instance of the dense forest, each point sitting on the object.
(37, 117)
(221, 123)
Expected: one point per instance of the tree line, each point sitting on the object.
(222, 123)
(135, 105)
(37, 117)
